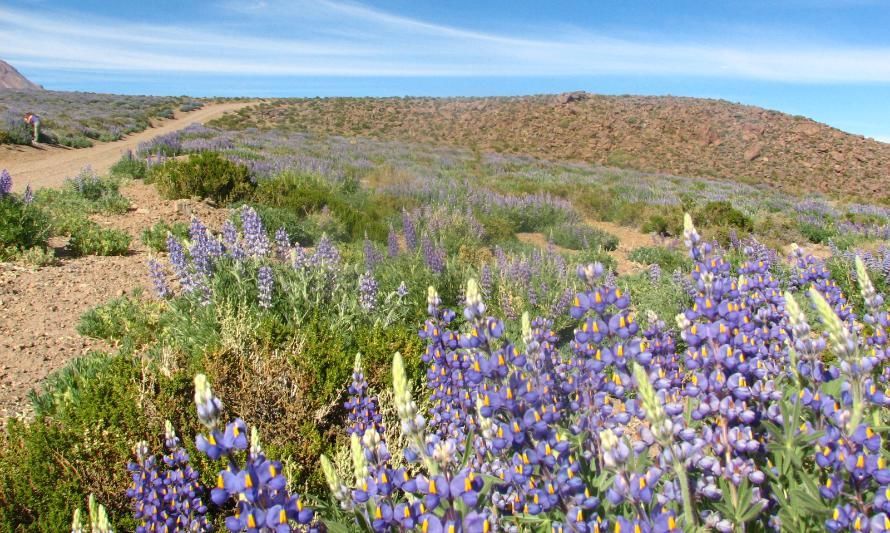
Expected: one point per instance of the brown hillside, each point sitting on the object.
(10, 78)
(686, 136)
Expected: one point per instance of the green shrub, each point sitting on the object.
(22, 226)
(16, 132)
(358, 212)
(662, 225)
(206, 175)
(816, 233)
(300, 229)
(37, 256)
(668, 259)
(663, 297)
(129, 167)
(71, 141)
(128, 320)
(91, 187)
(155, 237)
(88, 419)
(165, 113)
(580, 237)
(722, 213)
(89, 238)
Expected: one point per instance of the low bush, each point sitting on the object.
(816, 233)
(87, 420)
(205, 175)
(22, 226)
(129, 321)
(89, 238)
(155, 237)
(129, 166)
(666, 258)
(577, 236)
(663, 225)
(722, 213)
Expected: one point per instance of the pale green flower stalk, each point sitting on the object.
(845, 347)
(841, 341)
(256, 447)
(412, 422)
(339, 490)
(77, 522)
(873, 300)
(359, 465)
(98, 517)
(690, 235)
(661, 428)
(797, 320)
(526, 328)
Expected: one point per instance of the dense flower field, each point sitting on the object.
(423, 173)
(747, 418)
(75, 119)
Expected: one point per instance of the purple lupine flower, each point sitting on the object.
(326, 253)
(230, 240)
(28, 195)
(166, 494)
(158, 278)
(433, 256)
(282, 244)
(361, 406)
(372, 256)
(5, 183)
(256, 242)
(654, 272)
(486, 281)
(402, 290)
(257, 487)
(265, 285)
(367, 290)
(409, 230)
(392, 243)
(179, 262)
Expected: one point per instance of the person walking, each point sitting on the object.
(33, 120)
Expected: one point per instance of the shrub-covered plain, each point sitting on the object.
(77, 119)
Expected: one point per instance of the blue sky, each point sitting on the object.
(827, 59)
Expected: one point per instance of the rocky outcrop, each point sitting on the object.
(10, 78)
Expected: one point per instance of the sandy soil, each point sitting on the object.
(40, 307)
(47, 166)
(628, 239)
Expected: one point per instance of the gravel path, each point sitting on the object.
(47, 166)
(40, 307)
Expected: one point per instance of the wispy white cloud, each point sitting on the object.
(337, 38)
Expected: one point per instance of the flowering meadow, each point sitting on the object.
(76, 119)
(366, 344)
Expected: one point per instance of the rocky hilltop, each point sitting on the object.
(686, 136)
(10, 78)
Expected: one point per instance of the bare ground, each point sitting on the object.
(44, 165)
(40, 307)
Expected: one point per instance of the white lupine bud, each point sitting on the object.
(359, 465)
(255, 447)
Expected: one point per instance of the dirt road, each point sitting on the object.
(48, 166)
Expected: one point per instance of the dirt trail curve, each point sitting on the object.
(48, 166)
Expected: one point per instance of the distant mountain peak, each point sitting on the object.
(10, 78)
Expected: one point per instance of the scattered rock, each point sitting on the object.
(575, 96)
(183, 207)
(753, 152)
